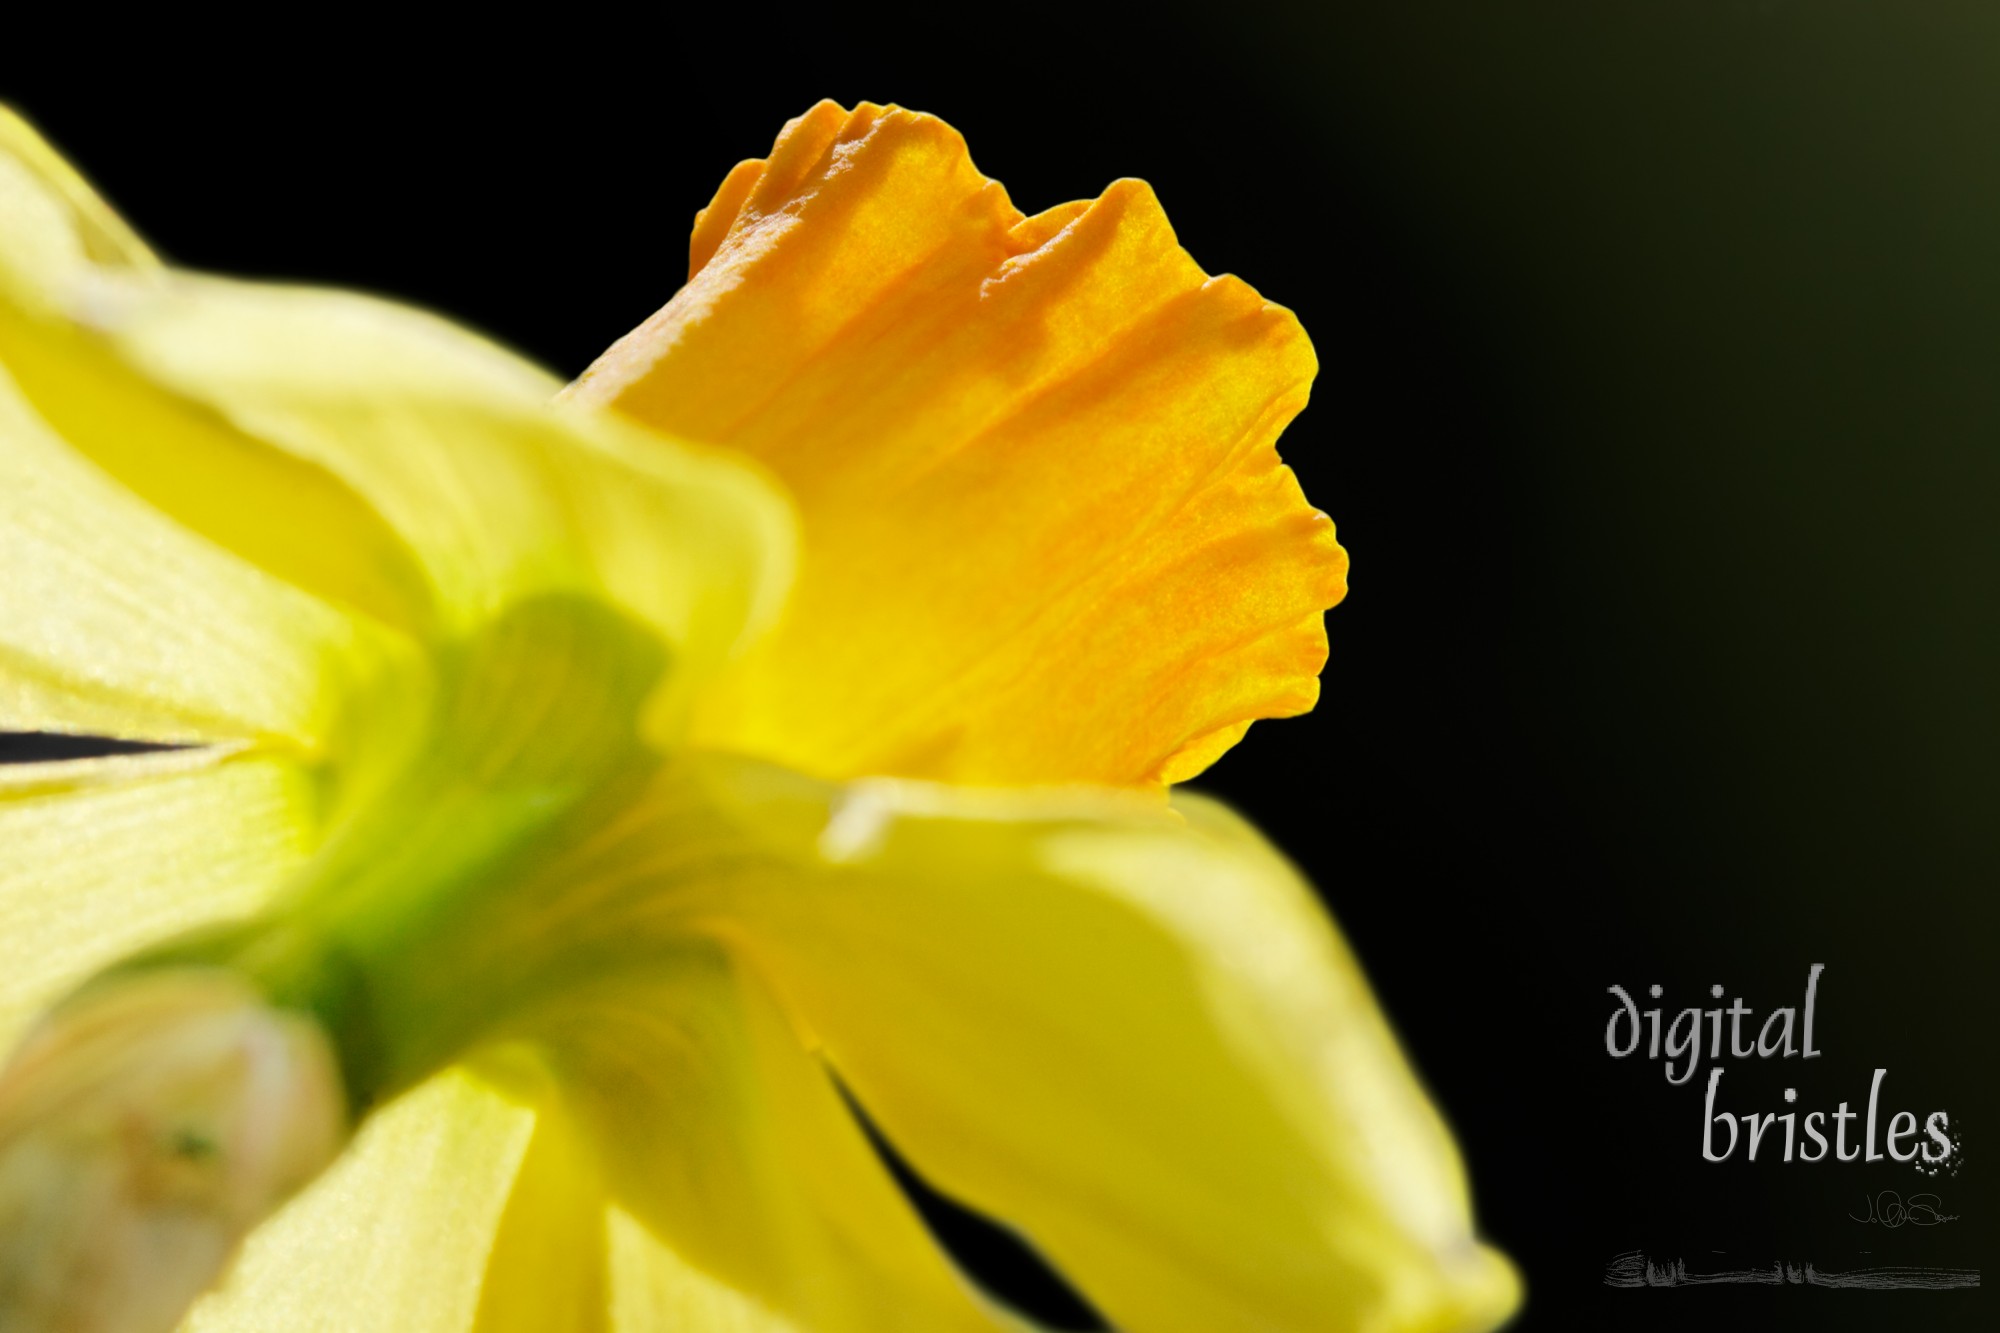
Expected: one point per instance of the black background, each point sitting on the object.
(1660, 411)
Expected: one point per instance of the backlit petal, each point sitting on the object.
(1126, 1030)
(376, 457)
(1047, 535)
(654, 1290)
(726, 1143)
(102, 857)
(455, 445)
(59, 243)
(118, 621)
(395, 1237)
(51, 221)
(547, 1266)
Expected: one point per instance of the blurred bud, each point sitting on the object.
(146, 1126)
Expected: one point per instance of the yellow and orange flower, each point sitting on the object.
(577, 794)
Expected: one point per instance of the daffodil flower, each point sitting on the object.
(576, 797)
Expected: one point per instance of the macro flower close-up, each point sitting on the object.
(556, 850)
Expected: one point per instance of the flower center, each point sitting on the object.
(411, 933)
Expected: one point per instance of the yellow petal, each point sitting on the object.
(116, 620)
(1127, 1030)
(51, 221)
(1047, 535)
(395, 1237)
(100, 858)
(58, 244)
(500, 495)
(764, 1205)
(654, 1290)
(547, 1266)
(373, 455)
(665, 1157)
